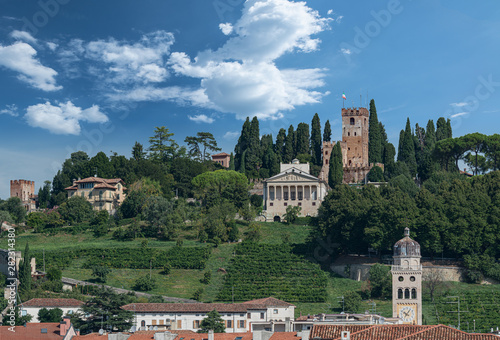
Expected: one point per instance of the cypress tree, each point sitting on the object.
(302, 144)
(400, 144)
(231, 162)
(327, 134)
(289, 146)
(253, 157)
(316, 140)
(374, 137)
(430, 135)
(243, 162)
(441, 129)
(448, 129)
(336, 171)
(408, 149)
(25, 271)
(279, 147)
(242, 145)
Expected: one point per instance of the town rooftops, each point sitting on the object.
(189, 335)
(53, 303)
(206, 307)
(395, 332)
(103, 183)
(43, 330)
(222, 154)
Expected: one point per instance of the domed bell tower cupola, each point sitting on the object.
(407, 281)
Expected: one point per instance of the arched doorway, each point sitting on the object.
(277, 219)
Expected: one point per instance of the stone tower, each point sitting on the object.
(407, 281)
(23, 189)
(355, 123)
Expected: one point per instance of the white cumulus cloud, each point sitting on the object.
(63, 118)
(241, 77)
(231, 135)
(10, 110)
(20, 57)
(201, 119)
(23, 35)
(226, 28)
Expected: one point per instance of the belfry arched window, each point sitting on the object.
(413, 293)
(400, 293)
(407, 293)
(351, 121)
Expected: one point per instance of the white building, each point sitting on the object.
(264, 314)
(293, 186)
(33, 306)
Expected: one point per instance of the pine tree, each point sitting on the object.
(302, 146)
(138, 151)
(162, 146)
(242, 145)
(336, 171)
(279, 147)
(213, 322)
(316, 140)
(289, 146)
(327, 134)
(374, 137)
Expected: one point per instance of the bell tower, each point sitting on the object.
(407, 281)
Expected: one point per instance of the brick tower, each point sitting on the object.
(23, 189)
(355, 123)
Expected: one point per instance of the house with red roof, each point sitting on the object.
(267, 314)
(40, 331)
(103, 194)
(222, 159)
(33, 306)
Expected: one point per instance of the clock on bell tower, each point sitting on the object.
(407, 281)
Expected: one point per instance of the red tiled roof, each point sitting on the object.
(192, 307)
(53, 303)
(269, 302)
(32, 331)
(104, 186)
(285, 336)
(73, 187)
(395, 332)
(222, 154)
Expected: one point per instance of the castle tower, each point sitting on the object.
(355, 123)
(325, 169)
(23, 189)
(407, 281)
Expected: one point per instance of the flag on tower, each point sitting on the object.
(343, 96)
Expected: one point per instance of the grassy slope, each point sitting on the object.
(183, 283)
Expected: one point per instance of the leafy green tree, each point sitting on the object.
(376, 174)
(44, 195)
(167, 268)
(100, 272)
(292, 213)
(374, 136)
(138, 152)
(380, 281)
(101, 217)
(198, 293)
(15, 208)
(404, 183)
(200, 144)
(145, 284)
(137, 194)
(352, 301)
(77, 209)
(194, 147)
(327, 133)
(316, 142)
(50, 315)
(233, 233)
(207, 277)
(254, 232)
(214, 186)
(21, 320)
(162, 215)
(100, 165)
(162, 146)
(212, 322)
(54, 274)
(5, 217)
(336, 171)
(104, 308)
(492, 151)
(474, 142)
(156, 299)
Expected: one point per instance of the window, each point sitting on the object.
(314, 203)
(242, 324)
(299, 194)
(326, 161)
(412, 278)
(271, 204)
(153, 322)
(292, 195)
(407, 293)
(413, 293)
(348, 134)
(351, 121)
(196, 324)
(70, 312)
(275, 311)
(354, 133)
(285, 195)
(229, 324)
(143, 323)
(23, 312)
(401, 279)
(262, 316)
(300, 204)
(249, 315)
(242, 315)
(285, 204)
(400, 293)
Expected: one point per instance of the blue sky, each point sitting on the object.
(100, 75)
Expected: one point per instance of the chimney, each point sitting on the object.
(211, 334)
(346, 335)
(64, 326)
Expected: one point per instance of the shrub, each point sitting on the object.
(197, 294)
(145, 284)
(54, 274)
(206, 278)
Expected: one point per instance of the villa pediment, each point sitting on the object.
(292, 176)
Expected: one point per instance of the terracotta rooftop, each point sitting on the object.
(222, 154)
(395, 332)
(32, 331)
(269, 302)
(189, 335)
(53, 303)
(192, 307)
(104, 183)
